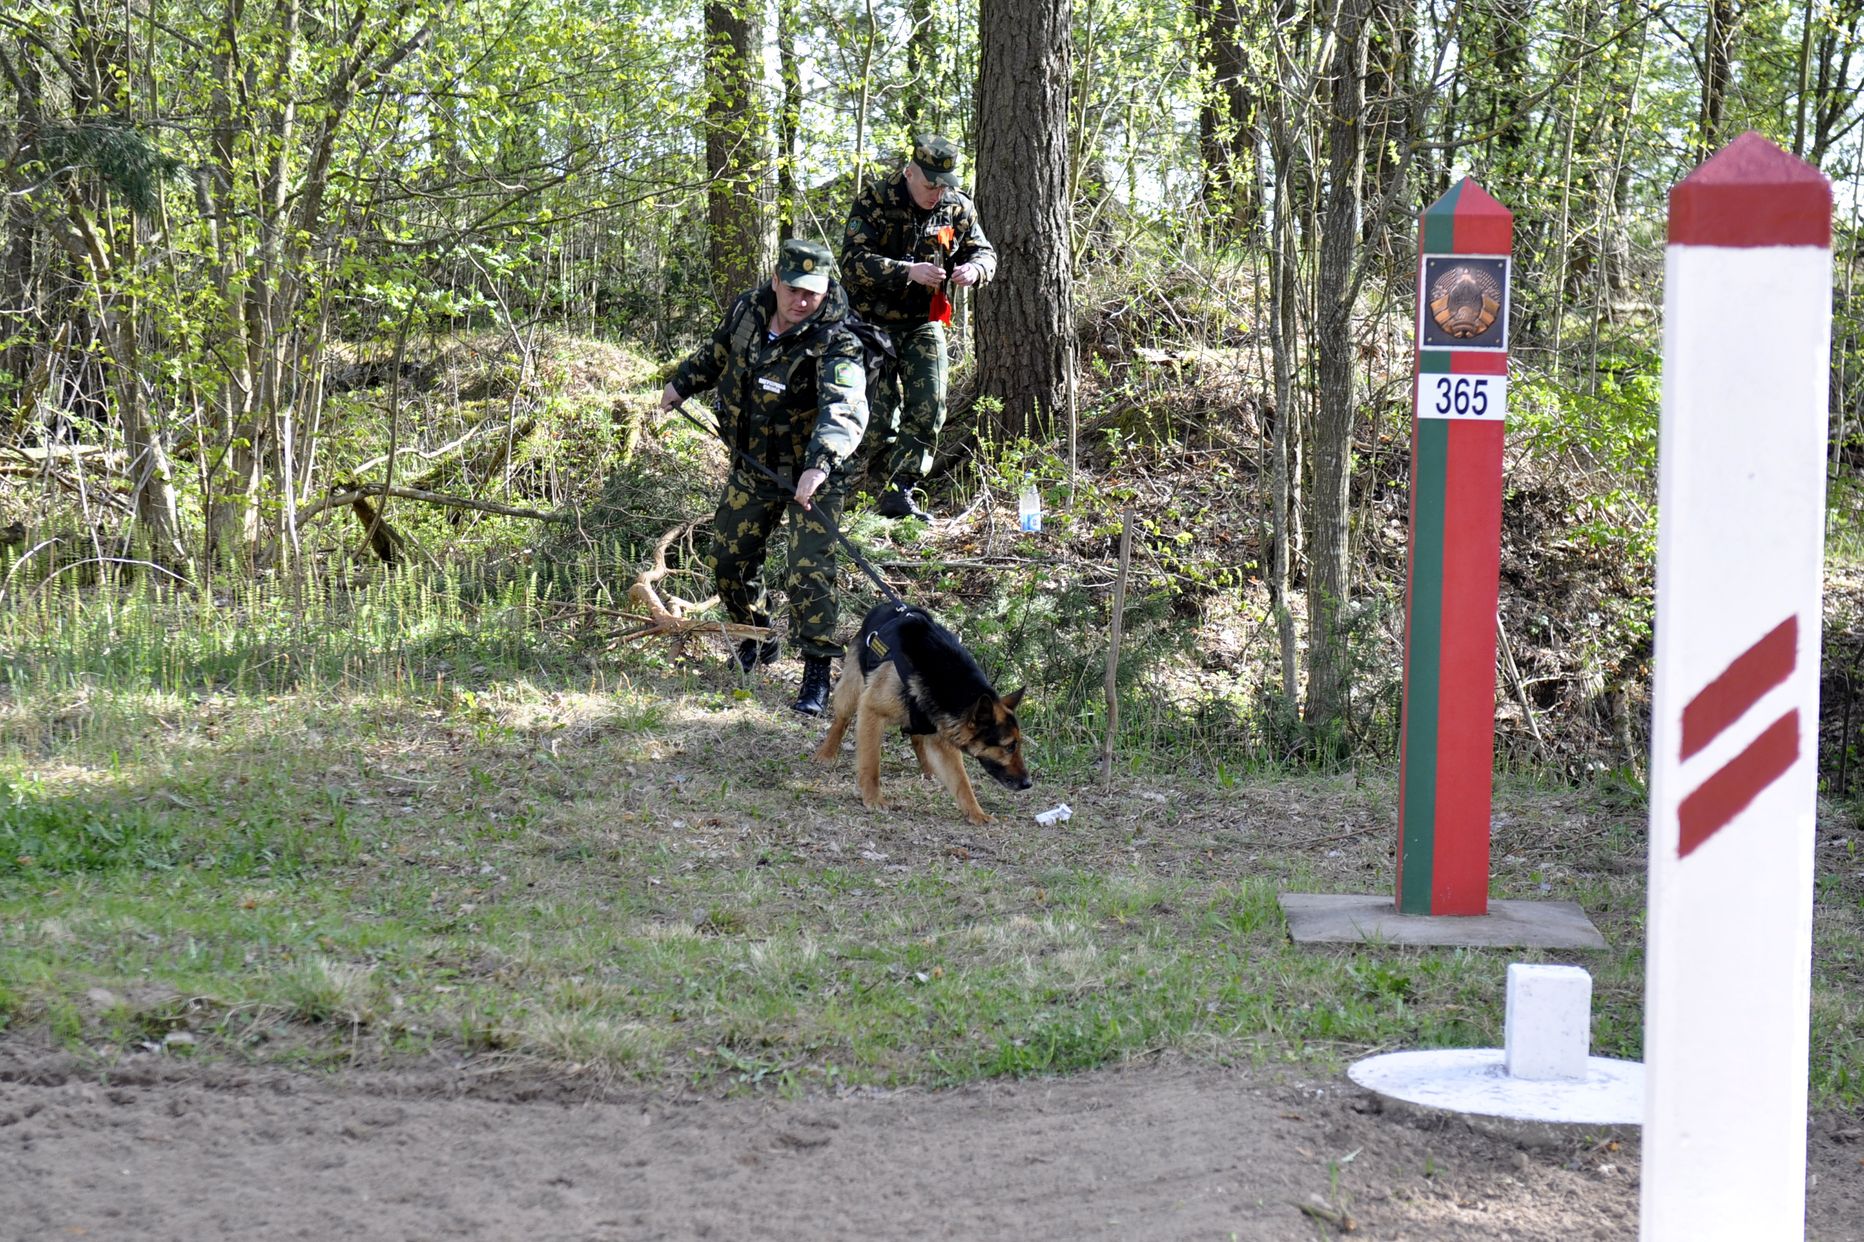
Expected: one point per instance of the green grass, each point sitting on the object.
(249, 833)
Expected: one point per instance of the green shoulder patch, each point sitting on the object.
(845, 372)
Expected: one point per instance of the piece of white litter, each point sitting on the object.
(1055, 815)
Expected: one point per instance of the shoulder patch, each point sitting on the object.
(846, 373)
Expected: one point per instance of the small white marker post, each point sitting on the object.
(1741, 498)
(1543, 1074)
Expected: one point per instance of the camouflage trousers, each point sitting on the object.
(748, 511)
(904, 433)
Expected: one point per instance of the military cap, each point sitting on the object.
(937, 158)
(803, 264)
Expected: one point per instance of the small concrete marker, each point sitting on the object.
(1548, 1019)
(1547, 1033)
(1735, 697)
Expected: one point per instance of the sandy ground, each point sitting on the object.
(162, 1151)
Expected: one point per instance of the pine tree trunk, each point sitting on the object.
(1025, 317)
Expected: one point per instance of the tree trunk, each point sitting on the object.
(922, 65)
(1226, 123)
(1718, 41)
(1284, 340)
(1329, 664)
(738, 248)
(789, 121)
(1025, 319)
(1391, 76)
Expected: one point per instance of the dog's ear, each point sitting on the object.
(1014, 697)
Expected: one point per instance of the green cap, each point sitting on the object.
(937, 158)
(803, 264)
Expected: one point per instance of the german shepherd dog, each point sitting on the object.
(907, 669)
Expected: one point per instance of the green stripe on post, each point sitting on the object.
(1440, 222)
(1424, 652)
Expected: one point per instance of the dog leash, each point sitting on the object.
(853, 551)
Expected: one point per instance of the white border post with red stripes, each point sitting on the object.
(1734, 731)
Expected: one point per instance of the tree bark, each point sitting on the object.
(789, 122)
(1329, 584)
(1226, 122)
(738, 246)
(1717, 69)
(1025, 318)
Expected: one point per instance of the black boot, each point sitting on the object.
(751, 653)
(898, 502)
(813, 697)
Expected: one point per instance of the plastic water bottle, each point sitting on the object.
(1029, 505)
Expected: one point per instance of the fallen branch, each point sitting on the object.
(351, 496)
(651, 576)
(56, 452)
(668, 616)
(413, 450)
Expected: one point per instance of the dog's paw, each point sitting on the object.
(980, 818)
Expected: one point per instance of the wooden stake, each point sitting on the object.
(1113, 645)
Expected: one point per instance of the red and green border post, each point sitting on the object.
(1447, 735)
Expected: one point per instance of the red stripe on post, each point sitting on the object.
(1726, 699)
(1472, 522)
(1475, 362)
(1752, 194)
(1729, 791)
(1483, 226)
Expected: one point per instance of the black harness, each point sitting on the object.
(880, 645)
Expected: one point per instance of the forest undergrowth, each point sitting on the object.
(361, 813)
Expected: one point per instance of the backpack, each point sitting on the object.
(878, 356)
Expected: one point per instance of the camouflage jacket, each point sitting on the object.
(793, 403)
(888, 233)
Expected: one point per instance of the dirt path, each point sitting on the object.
(1137, 1153)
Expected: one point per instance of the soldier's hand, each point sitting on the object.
(807, 483)
(965, 275)
(929, 274)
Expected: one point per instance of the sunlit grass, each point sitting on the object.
(407, 823)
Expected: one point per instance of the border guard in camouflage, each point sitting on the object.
(909, 238)
(792, 394)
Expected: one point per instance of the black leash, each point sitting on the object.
(790, 487)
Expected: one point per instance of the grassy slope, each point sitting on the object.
(380, 818)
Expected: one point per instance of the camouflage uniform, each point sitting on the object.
(887, 233)
(793, 403)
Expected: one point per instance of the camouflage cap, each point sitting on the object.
(803, 264)
(937, 158)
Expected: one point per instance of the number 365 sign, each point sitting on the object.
(1466, 398)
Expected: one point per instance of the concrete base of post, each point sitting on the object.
(1543, 1075)
(1476, 1080)
(1335, 918)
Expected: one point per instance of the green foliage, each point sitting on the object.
(120, 156)
(63, 835)
(1609, 430)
